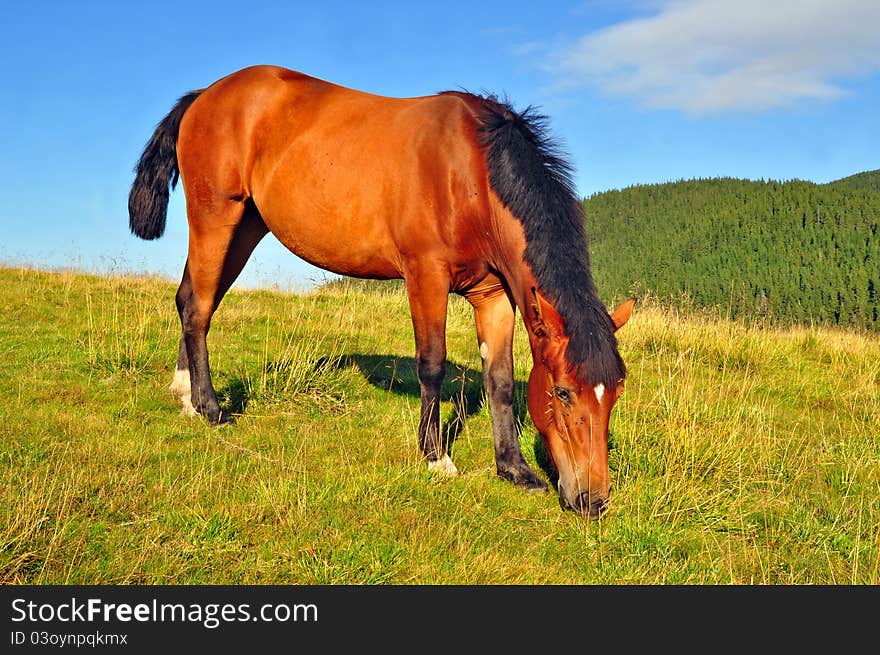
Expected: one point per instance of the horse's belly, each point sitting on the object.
(340, 244)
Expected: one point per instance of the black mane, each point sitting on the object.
(530, 175)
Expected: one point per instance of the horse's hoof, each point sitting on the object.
(216, 416)
(524, 477)
(224, 419)
(443, 466)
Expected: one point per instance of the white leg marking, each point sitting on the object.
(484, 350)
(180, 384)
(443, 466)
(181, 387)
(600, 390)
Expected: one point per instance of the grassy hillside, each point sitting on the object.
(741, 454)
(794, 252)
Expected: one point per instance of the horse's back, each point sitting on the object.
(348, 180)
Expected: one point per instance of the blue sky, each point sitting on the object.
(638, 92)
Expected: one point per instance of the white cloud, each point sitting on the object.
(705, 56)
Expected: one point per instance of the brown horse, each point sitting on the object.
(453, 193)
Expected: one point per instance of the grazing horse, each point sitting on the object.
(452, 192)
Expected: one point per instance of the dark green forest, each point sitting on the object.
(789, 251)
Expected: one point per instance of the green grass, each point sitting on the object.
(741, 454)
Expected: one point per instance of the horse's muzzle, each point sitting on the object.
(589, 507)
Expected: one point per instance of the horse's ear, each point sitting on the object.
(540, 328)
(546, 322)
(621, 315)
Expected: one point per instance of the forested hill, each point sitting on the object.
(867, 181)
(795, 251)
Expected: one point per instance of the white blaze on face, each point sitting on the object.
(599, 390)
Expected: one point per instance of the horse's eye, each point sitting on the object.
(563, 394)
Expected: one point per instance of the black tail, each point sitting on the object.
(156, 169)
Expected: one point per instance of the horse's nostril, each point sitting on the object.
(594, 507)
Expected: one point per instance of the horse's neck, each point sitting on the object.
(508, 258)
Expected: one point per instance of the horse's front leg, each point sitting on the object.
(495, 315)
(428, 297)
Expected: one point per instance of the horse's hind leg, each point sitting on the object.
(180, 385)
(495, 315)
(216, 256)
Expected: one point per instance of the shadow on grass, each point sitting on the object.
(463, 387)
(234, 396)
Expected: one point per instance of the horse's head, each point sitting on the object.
(571, 415)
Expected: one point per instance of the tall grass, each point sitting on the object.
(741, 453)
